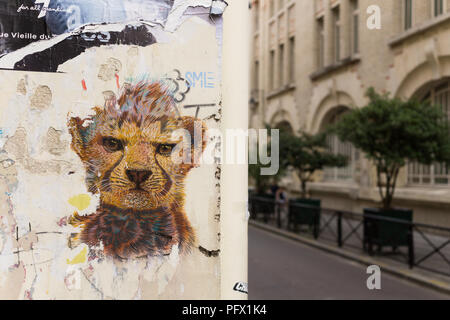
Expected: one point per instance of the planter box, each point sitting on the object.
(262, 204)
(308, 215)
(387, 233)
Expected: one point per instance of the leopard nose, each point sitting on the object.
(138, 176)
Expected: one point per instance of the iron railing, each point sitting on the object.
(422, 245)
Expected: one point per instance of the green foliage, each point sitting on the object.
(391, 132)
(306, 154)
(263, 182)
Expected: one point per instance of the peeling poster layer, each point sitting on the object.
(41, 40)
(91, 204)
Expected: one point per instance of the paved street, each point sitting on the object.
(280, 268)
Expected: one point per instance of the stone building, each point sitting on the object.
(312, 61)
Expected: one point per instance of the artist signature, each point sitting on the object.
(43, 8)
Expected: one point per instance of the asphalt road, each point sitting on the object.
(283, 269)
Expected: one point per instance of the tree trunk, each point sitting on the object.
(380, 186)
(303, 182)
(384, 194)
(387, 198)
(391, 182)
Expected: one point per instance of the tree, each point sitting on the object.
(391, 132)
(306, 154)
(262, 182)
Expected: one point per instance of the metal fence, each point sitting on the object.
(419, 245)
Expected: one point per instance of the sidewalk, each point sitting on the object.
(354, 252)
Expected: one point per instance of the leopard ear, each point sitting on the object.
(197, 130)
(75, 127)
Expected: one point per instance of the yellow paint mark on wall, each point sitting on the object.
(81, 202)
(80, 258)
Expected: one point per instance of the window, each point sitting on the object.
(321, 43)
(337, 34)
(272, 69)
(281, 65)
(256, 14)
(438, 173)
(336, 146)
(256, 76)
(355, 26)
(408, 13)
(280, 4)
(291, 59)
(291, 19)
(438, 7)
(272, 8)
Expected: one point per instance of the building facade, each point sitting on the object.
(312, 61)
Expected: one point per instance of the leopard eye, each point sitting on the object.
(112, 145)
(165, 149)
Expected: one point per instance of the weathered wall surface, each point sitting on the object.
(42, 179)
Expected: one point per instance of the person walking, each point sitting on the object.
(281, 200)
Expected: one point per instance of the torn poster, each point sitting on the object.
(62, 29)
(106, 188)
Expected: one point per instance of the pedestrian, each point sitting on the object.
(281, 200)
(274, 188)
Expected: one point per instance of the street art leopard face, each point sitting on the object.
(127, 149)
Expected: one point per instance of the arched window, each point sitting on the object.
(285, 126)
(271, 8)
(336, 146)
(437, 173)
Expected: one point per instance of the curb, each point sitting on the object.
(404, 273)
